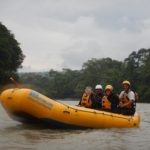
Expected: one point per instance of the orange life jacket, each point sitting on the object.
(124, 99)
(106, 104)
(86, 100)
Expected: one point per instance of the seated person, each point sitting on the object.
(110, 100)
(127, 100)
(97, 101)
(87, 98)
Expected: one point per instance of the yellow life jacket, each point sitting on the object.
(106, 104)
(86, 100)
(124, 99)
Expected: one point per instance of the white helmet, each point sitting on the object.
(98, 86)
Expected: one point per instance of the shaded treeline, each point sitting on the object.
(71, 83)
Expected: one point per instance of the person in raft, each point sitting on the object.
(87, 98)
(127, 100)
(110, 100)
(97, 100)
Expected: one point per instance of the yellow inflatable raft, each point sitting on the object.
(26, 105)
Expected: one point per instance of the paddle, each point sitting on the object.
(17, 85)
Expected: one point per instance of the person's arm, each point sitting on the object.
(119, 101)
(131, 98)
(126, 104)
(121, 94)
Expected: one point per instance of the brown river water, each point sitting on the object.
(17, 136)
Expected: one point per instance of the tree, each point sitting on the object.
(71, 83)
(137, 71)
(103, 71)
(63, 84)
(11, 56)
(144, 83)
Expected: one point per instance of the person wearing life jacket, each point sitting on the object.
(127, 100)
(87, 98)
(110, 100)
(97, 100)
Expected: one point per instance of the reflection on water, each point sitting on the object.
(14, 136)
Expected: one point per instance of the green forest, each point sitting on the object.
(71, 83)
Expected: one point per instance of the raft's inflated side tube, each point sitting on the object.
(26, 105)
